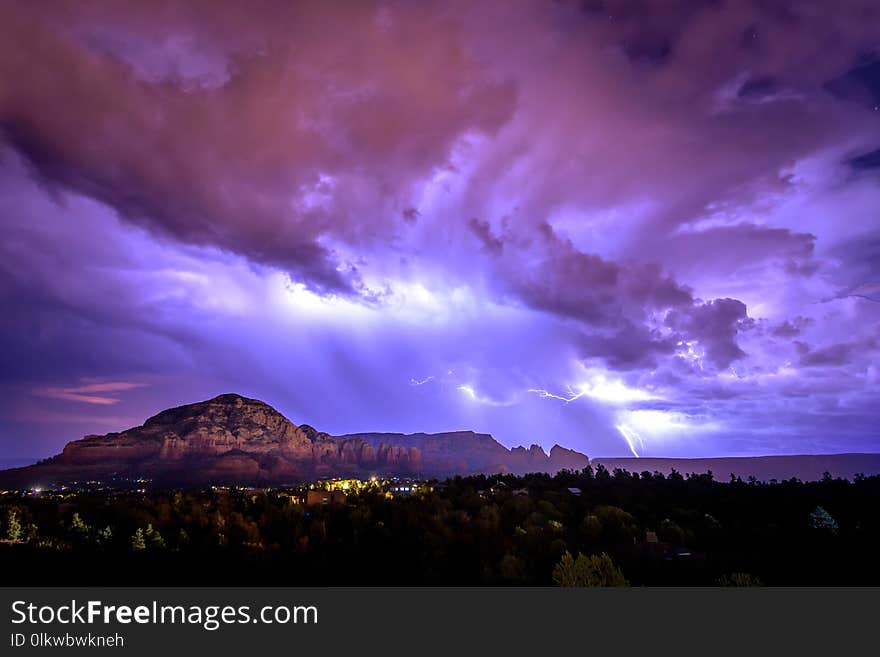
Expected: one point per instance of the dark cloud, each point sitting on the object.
(758, 87)
(483, 232)
(411, 215)
(859, 84)
(617, 303)
(861, 273)
(836, 354)
(647, 31)
(792, 328)
(280, 156)
(869, 160)
(715, 324)
(628, 348)
(651, 49)
(744, 245)
(565, 281)
(859, 351)
(315, 203)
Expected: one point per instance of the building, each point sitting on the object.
(325, 498)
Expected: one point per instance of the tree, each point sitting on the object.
(137, 540)
(587, 571)
(821, 519)
(617, 524)
(591, 528)
(78, 527)
(13, 526)
(670, 532)
(31, 533)
(602, 474)
(155, 538)
(512, 568)
(105, 536)
(738, 579)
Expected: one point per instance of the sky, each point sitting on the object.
(643, 228)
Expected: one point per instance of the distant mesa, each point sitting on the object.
(232, 439)
(806, 467)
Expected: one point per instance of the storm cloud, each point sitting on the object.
(626, 227)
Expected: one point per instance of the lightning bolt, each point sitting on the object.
(416, 382)
(862, 291)
(631, 437)
(546, 394)
(469, 391)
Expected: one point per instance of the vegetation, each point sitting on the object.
(587, 571)
(575, 529)
(13, 526)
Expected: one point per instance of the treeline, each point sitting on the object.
(575, 528)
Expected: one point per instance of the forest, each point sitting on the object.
(585, 528)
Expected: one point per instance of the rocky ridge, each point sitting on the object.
(234, 439)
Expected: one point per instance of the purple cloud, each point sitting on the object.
(618, 226)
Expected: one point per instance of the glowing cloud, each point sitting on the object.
(644, 428)
(472, 394)
(89, 393)
(614, 276)
(601, 387)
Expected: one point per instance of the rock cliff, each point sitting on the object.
(233, 439)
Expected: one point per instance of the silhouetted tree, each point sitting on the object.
(511, 567)
(738, 579)
(591, 529)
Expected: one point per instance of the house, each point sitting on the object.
(324, 498)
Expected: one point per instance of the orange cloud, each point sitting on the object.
(85, 393)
